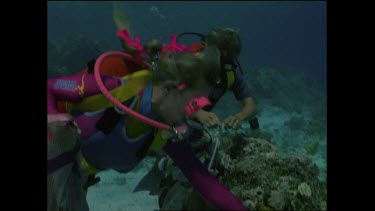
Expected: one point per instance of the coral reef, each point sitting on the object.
(304, 190)
(257, 174)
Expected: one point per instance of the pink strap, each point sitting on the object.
(182, 87)
(196, 104)
(124, 35)
(170, 47)
(174, 46)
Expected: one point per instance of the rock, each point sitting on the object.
(256, 195)
(277, 200)
(304, 189)
(250, 204)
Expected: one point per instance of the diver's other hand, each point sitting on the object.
(209, 119)
(61, 117)
(119, 16)
(233, 122)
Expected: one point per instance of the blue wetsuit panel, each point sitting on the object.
(116, 150)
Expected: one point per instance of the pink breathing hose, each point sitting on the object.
(118, 104)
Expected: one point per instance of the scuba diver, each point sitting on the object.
(232, 78)
(89, 132)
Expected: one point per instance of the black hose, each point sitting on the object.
(202, 36)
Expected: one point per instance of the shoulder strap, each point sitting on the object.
(229, 70)
(203, 37)
(239, 66)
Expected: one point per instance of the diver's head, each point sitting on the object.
(197, 74)
(227, 40)
(195, 71)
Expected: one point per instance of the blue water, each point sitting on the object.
(276, 34)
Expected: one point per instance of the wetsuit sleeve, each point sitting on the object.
(240, 88)
(74, 88)
(206, 184)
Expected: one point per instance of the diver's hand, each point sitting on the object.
(209, 119)
(233, 121)
(62, 117)
(119, 16)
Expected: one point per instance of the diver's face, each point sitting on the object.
(166, 102)
(160, 91)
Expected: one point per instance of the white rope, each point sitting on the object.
(216, 140)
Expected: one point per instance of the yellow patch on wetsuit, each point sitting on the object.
(158, 143)
(81, 87)
(136, 82)
(230, 78)
(85, 165)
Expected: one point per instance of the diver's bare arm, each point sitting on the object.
(122, 23)
(249, 109)
(119, 17)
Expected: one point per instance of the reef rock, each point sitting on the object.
(304, 189)
(277, 200)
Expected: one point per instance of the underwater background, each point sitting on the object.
(283, 56)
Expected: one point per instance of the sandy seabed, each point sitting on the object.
(115, 192)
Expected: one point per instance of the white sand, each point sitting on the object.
(115, 192)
